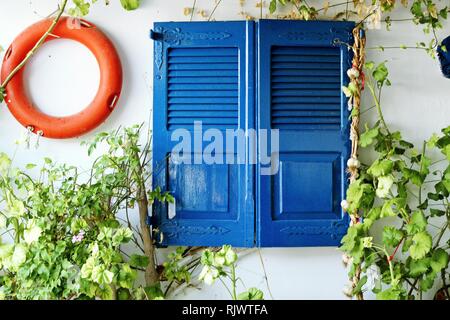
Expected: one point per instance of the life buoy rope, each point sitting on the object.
(94, 114)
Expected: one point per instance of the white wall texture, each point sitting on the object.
(63, 77)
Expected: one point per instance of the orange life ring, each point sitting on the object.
(93, 115)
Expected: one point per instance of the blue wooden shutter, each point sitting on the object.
(203, 72)
(302, 66)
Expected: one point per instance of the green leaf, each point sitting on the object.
(392, 236)
(5, 163)
(442, 188)
(387, 209)
(406, 144)
(427, 282)
(207, 258)
(360, 196)
(351, 90)
(431, 143)
(417, 223)
(418, 267)
(230, 256)
(369, 65)
(130, 4)
(384, 186)
(381, 168)
(19, 256)
(380, 73)
(126, 277)
(154, 292)
(423, 205)
(359, 286)
(273, 6)
(139, 261)
(424, 166)
(393, 293)
(352, 242)
(251, 294)
(446, 151)
(437, 213)
(413, 175)
(101, 275)
(407, 244)
(435, 196)
(123, 294)
(6, 251)
(421, 245)
(105, 292)
(349, 240)
(81, 8)
(439, 260)
(374, 214)
(367, 138)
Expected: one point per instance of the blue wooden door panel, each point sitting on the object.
(301, 69)
(204, 71)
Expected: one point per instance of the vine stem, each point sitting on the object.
(392, 256)
(37, 45)
(421, 169)
(378, 107)
(334, 5)
(265, 273)
(441, 234)
(214, 10)
(233, 281)
(193, 9)
(391, 267)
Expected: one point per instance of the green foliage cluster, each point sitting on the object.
(221, 265)
(406, 185)
(81, 7)
(64, 226)
(427, 13)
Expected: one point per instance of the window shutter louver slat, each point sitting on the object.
(200, 75)
(301, 74)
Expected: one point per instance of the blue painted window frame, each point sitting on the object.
(252, 221)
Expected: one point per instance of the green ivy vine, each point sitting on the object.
(406, 190)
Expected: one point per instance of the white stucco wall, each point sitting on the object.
(63, 78)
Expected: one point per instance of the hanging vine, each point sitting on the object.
(353, 92)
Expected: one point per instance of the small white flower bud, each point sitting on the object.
(346, 259)
(353, 73)
(353, 163)
(348, 291)
(344, 205)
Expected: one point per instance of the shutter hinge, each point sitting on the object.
(156, 36)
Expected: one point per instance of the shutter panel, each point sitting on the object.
(302, 67)
(202, 72)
